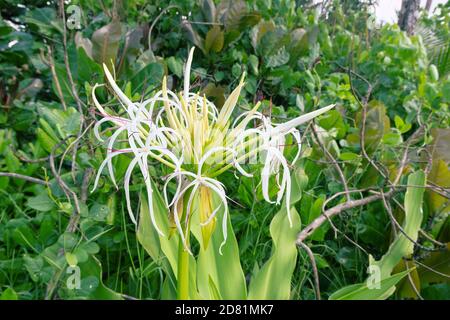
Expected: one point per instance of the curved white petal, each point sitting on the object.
(109, 150)
(285, 127)
(103, 164)
(127, 187)
(221, 193)
(187, 74)
(122, 96)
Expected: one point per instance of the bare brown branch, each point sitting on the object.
(23, 177)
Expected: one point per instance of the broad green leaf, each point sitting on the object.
(333, 119)
(105, 43)
(22, 232)
(299, 43)
(214, 39)
(147, 78)
(209, 10)
(399, 123)
(93, 268)
(402, 246)
(349, 156)
(230, 12)
(88, 70)
(45, 19)
(175, 66)
(9, 294)
(439, 175)
(299, 182)
(46, 142)
(260, 30)
(163, 249)
(71, 259)
(193, 36)
(273, 280)
(377, 124)
(438, 261)
(220, 272)
(99, 212)
(215, 93)
(278, 59)
(392, 139)
(59, 123)
(315, 211)
(254, 64)
(440, 172)
(361, 291)
(12, 163)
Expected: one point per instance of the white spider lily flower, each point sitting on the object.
(189, 135)
(272, 139)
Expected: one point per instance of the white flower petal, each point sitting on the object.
(285, 127)
(187, 74)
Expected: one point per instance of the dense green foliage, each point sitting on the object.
(390, 126)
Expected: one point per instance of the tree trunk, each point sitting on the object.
(407, 17)
(428, 5)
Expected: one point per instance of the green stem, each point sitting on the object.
(183, 253)
(183, 272)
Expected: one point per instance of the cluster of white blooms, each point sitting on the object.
(187, 133)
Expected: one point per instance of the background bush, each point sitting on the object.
(297, 57)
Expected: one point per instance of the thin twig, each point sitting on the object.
(443, 192)
(73, 143)
(67, 63)
(411, 281)
(328, 214)
(50, 62)
(429, 238)
(75, 217)
(431, 269)
(440, 244)
(362, 134)
(316, 223)
(396, 225)
(72, 86)
(71, 227)
(314, 267)
(23, 177)
(58, 178)
(155, 21)
(333, 161)
(23, 158)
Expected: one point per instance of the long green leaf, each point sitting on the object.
(92, 268)
(400, 248)
(361, 291)
(163, 249)
(219, 275)
(273, 280)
